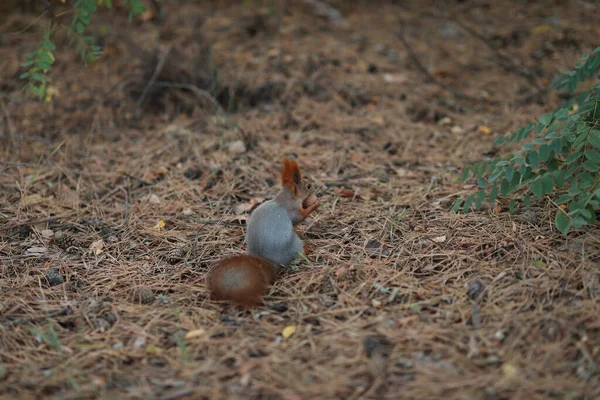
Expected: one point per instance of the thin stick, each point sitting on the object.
(195, 89)
(424, 71)
(161, 63)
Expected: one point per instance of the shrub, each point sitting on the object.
(560, 160)
(39, 62)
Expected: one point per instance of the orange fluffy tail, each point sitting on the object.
(290, 175)
(242, 279)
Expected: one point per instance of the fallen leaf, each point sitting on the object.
(394, 78)
(159, 225)
(241, 208)
(509, 370)
(456, 130)
(36, 250)
(153, 199)
(445, 121)
(357, 157)
(439, 239)
(32, 199)
(96, 247)
(195, 333)
(542, 28)
(146, 16)
(47, 233)
(51, 92)
(288, 331)
(484, 130)
(497, 209)
(139, 342)
(346, 192)
(237, 147)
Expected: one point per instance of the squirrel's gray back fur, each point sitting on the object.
(271, 234)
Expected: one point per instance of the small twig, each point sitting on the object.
(195, 89)
(431, 78)
(529, 97)
(161, 63)
(126, 216)
(505, 62)
(140, 180)
(11, 131)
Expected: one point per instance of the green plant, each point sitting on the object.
(39, 62)
(562, 157)
(48, 336)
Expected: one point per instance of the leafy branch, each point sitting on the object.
(39, 62)
(561, 158)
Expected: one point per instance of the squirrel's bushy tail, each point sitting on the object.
(241, 279)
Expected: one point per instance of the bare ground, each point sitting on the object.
(399, 298)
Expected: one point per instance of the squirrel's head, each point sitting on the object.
(292, 179)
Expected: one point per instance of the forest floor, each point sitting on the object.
(119, 192)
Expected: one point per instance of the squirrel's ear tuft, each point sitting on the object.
(290, 175)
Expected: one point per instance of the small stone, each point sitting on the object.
(144, 295)
(193, 173)
(53, 277)
(237, 147)
(456, 130)
(476, 289)
(381, 175)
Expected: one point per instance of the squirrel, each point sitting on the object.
(271, 241)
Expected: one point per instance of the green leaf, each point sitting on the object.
(468, 204)
(504, 187)
(44, 66)
(465, 174)
(526, 201)
(571, 171)
(28, 63)
(574, 187)
(48, 45)
(24, 75)
(564, 199)
(544, 151)
(562, 222)
(559, 178)
(479, 199)
(573, 157)
(547, 184)
(546, 119)
(590, 166)
(510, 172)
(533, 159)
(586, 180)
(562, 114)
(536, 188)
(457, 204)
(495, 175)
(592, 155)
(594, 138)
(511, 206)
(46, 58)
(79, 28)
(494, 194)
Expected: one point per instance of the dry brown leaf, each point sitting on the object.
(195, 333)
(97, 247)
(32, 199)
(159, 225)
(484, 130)
(288, 331)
